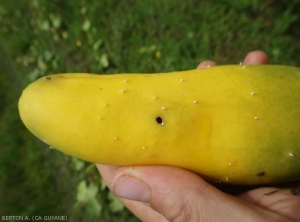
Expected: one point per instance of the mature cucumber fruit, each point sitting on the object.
(232, 124)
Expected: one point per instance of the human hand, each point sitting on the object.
(164, 193)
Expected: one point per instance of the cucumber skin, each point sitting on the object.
(231, 124)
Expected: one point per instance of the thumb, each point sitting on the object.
(180, 195)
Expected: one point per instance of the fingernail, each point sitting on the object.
(132, 189)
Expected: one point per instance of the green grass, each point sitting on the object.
(111, 36)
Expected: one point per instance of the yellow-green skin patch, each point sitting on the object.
(232, 124)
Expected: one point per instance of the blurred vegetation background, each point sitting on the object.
(111, 36)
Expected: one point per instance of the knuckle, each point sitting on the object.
(179, 213)
(182, 211)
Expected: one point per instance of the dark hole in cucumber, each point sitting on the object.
(159, 120)
(260, 174)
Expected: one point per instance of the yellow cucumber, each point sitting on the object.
(233, 124)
